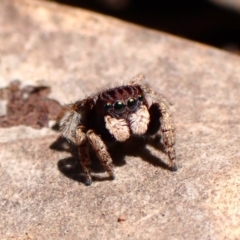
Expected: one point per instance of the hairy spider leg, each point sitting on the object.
(101, 150)
(167, 132)
(161, 121)
(83, 152)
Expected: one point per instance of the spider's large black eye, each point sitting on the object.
(107, 106)
(119, 107)
(140, 98)
(132, 103)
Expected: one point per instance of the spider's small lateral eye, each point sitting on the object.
(140, 98)
(132, 103)
(119, 107)
(107, 106)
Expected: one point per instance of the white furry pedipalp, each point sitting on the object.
(139, 120)
(118, 128)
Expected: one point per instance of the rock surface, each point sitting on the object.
(76, 53)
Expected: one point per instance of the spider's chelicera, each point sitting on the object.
(116, 115)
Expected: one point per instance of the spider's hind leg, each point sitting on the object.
(101, 150)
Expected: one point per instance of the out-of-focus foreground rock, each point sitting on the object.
(77, 53)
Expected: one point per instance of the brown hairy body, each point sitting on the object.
(117, 114)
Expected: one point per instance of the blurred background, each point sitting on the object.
(213, 22)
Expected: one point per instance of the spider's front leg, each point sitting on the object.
(101, 150)
(159, 110)
(83, 152)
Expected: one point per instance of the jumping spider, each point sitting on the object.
(116, 115)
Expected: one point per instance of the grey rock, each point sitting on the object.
(76, 53)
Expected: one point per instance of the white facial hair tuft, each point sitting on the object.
(139, 121)
(118, 128)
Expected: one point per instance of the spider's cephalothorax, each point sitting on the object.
(116, 115)
(122, 111)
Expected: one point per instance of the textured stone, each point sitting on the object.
(232, 4)
(76, 53)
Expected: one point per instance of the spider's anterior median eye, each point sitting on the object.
(107, 106)
(119, 107)
(132, 103)
(140, 98)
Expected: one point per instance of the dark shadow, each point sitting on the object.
(136, 147)
(62, 145)
(199, 20)
(71, 168)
